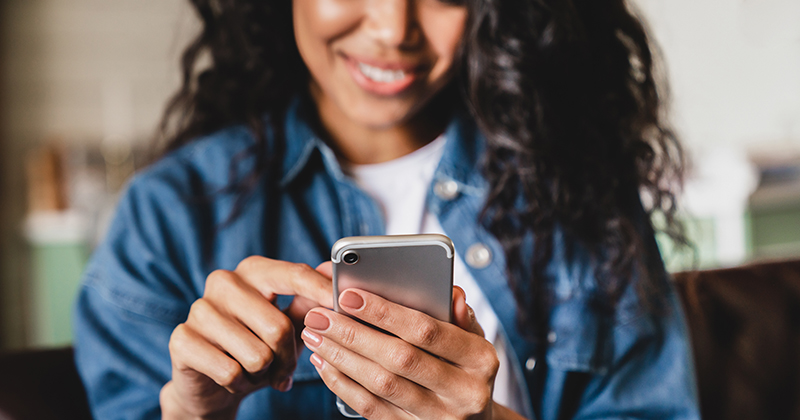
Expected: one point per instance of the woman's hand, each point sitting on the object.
(236, 340)
(431, 370)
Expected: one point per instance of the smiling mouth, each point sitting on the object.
(379, 75)
(383, 79)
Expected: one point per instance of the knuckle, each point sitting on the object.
(279, 329)
(258, 360)
(348, 336)
(483, 400)
(489, 362)
(337, 357)
(386, 385)
(427, 333)
(380, 313)
(284, 326)
(249, 263)
(178, 339)
(366, 405)
(334, 382)
(200, 311)
(299, 271)
(228, 374)
(218, 281)
(405, 360)
(480, 398)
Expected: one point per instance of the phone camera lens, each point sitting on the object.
(350, 258)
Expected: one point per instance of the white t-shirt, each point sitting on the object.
(400, 187)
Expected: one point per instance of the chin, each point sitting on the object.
(380, 117)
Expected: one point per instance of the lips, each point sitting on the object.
(384, 79)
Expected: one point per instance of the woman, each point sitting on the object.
(523, 130)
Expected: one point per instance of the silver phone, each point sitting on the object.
(415, 271)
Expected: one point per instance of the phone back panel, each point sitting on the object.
(412, 270)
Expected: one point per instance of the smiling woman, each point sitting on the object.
(524, 131)
(375, 66)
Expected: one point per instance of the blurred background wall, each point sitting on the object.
(83, 83)
(77, 75)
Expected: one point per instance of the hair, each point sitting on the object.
(564, 91)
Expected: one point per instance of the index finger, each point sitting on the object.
(274, 277)
(440, 338)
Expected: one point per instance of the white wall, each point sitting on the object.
(78, 71)
(61, 55)
(735, 70)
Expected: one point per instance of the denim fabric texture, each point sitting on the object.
(170, 232)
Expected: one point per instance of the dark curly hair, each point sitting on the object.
(564, 91)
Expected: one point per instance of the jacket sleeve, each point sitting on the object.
(135, 290)
(634, 364)
(651, 374)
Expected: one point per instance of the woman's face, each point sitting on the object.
(378, 61)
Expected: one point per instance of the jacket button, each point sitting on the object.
(530, 364)
(552, 337)
(478, 256)
(446, 190)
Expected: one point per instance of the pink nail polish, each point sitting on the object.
(316, 360)
(311, 339)
(351, 300)
(317, 321)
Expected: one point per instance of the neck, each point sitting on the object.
(359, 144)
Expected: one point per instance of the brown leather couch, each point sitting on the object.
(41, 385)
(745, 328)
(744, 322)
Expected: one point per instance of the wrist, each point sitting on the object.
(172, 408)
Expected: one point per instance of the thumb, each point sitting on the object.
(300, 305)
(463, 315)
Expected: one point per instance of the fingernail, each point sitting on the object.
(286, 384)
(317, 321)
(351, 299)
(311, 339)
(316, 360)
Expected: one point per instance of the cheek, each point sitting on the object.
(319, 22)
(444, 31)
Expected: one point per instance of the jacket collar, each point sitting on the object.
(464, 148)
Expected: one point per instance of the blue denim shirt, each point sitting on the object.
(169, 233)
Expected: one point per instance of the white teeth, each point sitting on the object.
(380, 75)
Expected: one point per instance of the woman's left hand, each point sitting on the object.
(430, 370)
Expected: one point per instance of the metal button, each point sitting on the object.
(530, 363)
(552, 337)
(479, 256)
(446, 190)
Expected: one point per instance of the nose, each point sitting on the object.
(392, 23)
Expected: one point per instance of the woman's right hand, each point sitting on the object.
(236, 340)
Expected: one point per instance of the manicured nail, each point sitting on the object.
(286, 385)
(311, 339)
(351, 300)
(316, 360)
(317, 321)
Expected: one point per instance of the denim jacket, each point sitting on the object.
(172, 228)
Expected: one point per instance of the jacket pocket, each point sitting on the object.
(579, 338)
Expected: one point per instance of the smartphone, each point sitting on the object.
(415, 271)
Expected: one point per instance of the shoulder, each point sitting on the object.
(166, 219)
(207, 158)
